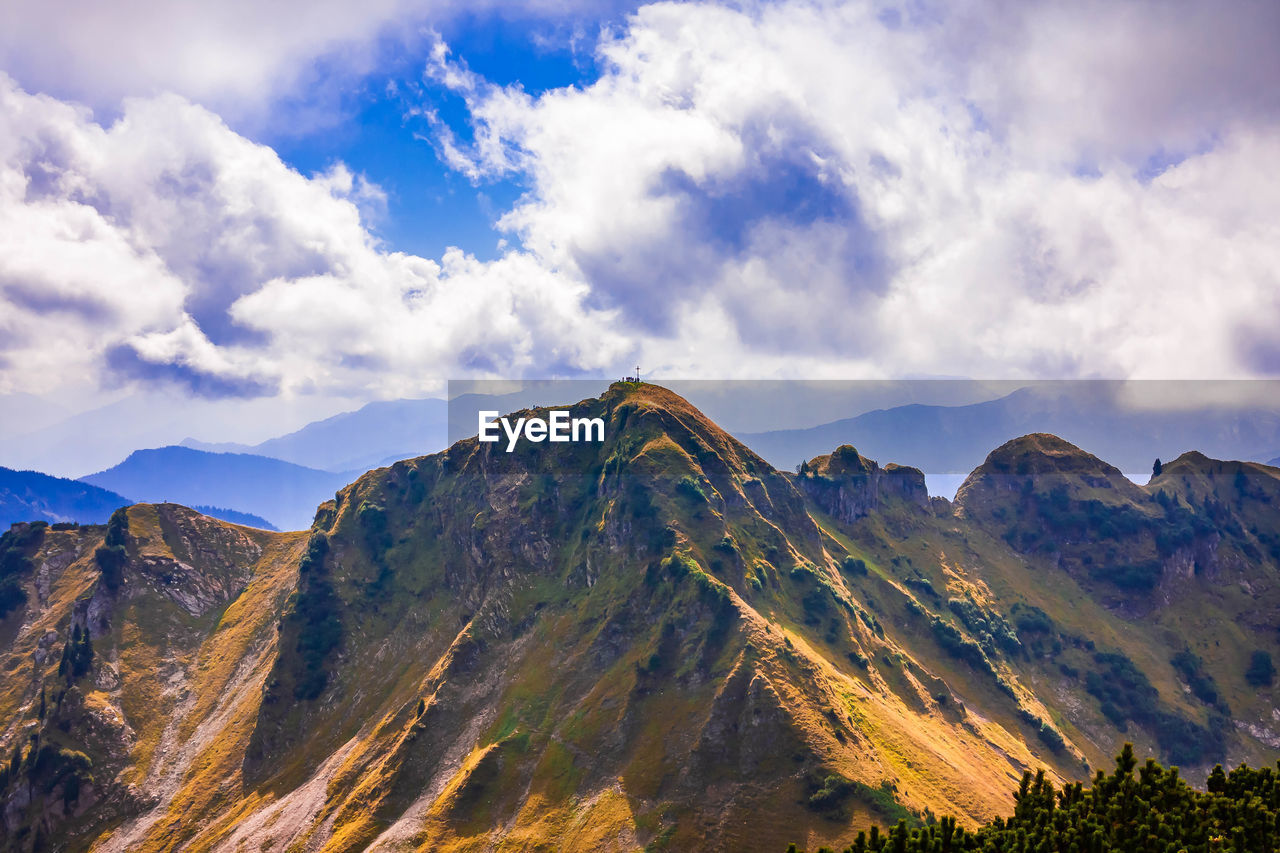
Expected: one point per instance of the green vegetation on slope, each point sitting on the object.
(111, 556)
(16, 547)
(655, 642)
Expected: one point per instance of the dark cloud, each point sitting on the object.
(779, 189)
(363, 361)
(782, 189)
(1259, 347)
(39, 298)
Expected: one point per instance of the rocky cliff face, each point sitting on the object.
(117, 687)
(658, 642)
(848, 487)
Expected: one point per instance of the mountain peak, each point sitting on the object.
(1044, 453)
(845, 460)
(282, 493)
(656, 637)
(1041, 462)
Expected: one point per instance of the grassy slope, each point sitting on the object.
(1216, 594)
(653, 643)
(585, 646)
(168, 663)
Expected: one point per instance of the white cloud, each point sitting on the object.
(1097, 80)
(225, 53)
(166, 248)
(840, 190)
(792, 189)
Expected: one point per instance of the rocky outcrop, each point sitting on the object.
(848, 486)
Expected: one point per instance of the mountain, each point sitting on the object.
(355, 441)
(92, 440)
(32, 496)
(283, 494)
(953, 440)
(654, 642)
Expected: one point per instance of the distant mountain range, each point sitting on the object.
(946, 441)
(370, 437)
(282, 493)
(275, 484)
(32, 496)
(953, 440)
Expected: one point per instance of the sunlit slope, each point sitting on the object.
(180, 642)
(583, 645)
(657, 641)
(1172, 588)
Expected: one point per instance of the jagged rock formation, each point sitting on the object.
(848, 486)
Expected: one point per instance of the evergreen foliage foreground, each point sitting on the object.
(1154, 811)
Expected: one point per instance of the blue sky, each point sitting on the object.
(288, 208)
(381, 132)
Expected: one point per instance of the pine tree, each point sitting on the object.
(1261, 671)
(1155, 810)
(1157, 468)
(111, 556)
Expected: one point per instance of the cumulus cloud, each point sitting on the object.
(1096, 80)
(167, 248)
(783, 189)
(849, 188)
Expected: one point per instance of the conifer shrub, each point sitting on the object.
(1191, 668)
(1030, 619)
(855, 566)
(1051, 737)
(1261, 671)
(111, 556)
(373, 524)
(77, 655)
(315, 613)
(16, 546)
(955, 643)
(691, 489)
(1153, 810)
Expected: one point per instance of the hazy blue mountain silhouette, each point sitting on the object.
(354, 441)
(282, 493)
(32, 496)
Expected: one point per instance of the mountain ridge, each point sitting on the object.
(34, 496)
(395, 428)
(954, 439)
(694, 648)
